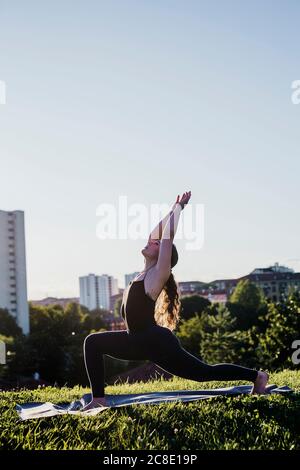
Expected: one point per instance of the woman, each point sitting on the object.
(150, 309)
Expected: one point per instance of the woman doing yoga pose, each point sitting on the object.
(148, 334)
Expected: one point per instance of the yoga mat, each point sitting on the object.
(43, 410)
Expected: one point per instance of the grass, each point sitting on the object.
(243, 422)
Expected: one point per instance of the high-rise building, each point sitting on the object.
(130, 277)
(13, 283)
(96, 291)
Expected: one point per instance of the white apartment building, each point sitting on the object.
(130, 277)
(96, 291)
(13, 282)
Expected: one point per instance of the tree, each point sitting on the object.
(248, 294)
(190, 334)
(213, 337)
(73, 318)
(117, 308)
(221, 341)
(192, 305)
(54, 347)
(8, 324)
(95, 321)
(246, 304)
(274, 349)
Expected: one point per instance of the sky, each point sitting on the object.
(146, 100)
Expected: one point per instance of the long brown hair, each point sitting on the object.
(167, 307)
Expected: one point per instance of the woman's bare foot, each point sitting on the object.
(96, 403)
(259, 387)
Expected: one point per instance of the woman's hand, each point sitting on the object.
(184, 199)
(100, 402)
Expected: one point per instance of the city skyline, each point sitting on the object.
(127, 276)
(101, 291)
(276, 268)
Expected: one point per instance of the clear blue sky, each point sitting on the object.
(149, 99)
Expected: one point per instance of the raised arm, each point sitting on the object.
(157, 232)
(163, 264)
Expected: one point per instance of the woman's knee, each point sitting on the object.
(90, 341)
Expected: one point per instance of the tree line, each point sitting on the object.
(248, 329)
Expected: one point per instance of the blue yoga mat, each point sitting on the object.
(42, 410)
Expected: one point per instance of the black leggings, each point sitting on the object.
(159, 345)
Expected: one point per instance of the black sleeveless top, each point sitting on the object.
(137, 309)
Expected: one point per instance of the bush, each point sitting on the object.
(274, 348)
(247, 303)
(191, 305)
